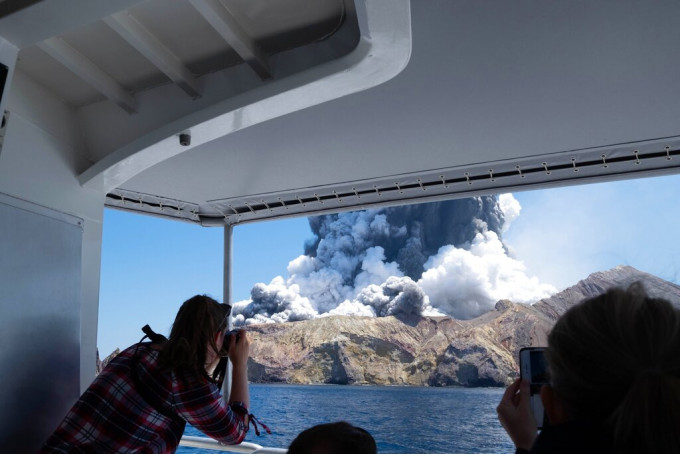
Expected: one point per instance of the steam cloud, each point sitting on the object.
(441, 258)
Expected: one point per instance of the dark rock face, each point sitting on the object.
(427, 351)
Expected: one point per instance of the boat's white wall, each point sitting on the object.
(40, 269)
(38, 165)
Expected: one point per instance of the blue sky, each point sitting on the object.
(564, 234)
(150, 265)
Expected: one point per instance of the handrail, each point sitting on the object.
(247, 447)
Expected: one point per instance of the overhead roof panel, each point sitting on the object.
(105, 56)
(186, 33)
(120, 61)
(280, 26)
(518, 95)
(56, 78)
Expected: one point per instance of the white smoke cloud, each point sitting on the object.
(347, 272)
(279, 301)
(395, 296)
(313, 290)
(510, 207)
(466, 283)
(352, 308)
(374, 270)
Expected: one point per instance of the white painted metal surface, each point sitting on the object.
(381, 53)
(231, 30)
(84, 68)
(245, 447)
(488, 87)
(40, 299)
(155, 51)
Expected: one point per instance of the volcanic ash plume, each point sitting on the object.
(441, 258)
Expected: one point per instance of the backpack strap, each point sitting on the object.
(143, 389)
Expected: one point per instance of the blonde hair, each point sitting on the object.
(615, 361)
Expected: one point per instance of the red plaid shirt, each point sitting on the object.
(112, 416)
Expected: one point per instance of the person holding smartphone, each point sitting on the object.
(614, 386)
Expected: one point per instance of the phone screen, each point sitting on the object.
(533, 367)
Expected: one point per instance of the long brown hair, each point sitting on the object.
(615, 361)
(196, 324)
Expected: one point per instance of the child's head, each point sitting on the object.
(333, 438)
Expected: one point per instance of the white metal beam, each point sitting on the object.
(224, 22)
(84, 68)
(147, 44)
(48, 18)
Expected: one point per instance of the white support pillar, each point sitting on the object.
(226, 298)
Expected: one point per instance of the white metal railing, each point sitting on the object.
(208, 443)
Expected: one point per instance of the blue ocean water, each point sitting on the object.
(401, 419)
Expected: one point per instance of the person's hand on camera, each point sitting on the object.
(239, 348)
(514, 414)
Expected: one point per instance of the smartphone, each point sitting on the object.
(534, 368)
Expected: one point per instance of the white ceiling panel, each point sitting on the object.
(522, 83)
(303, 102)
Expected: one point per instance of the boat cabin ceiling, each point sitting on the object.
(228, 111)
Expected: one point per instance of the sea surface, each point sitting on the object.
(401, 419)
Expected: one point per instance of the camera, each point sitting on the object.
(224, 351)
(185, 139)
(534, 368)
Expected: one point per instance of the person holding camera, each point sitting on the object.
(614, 387)
(144, 397)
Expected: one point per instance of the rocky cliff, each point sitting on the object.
(427, 351)
(430, 351)
(597, 283)
(101, 364)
